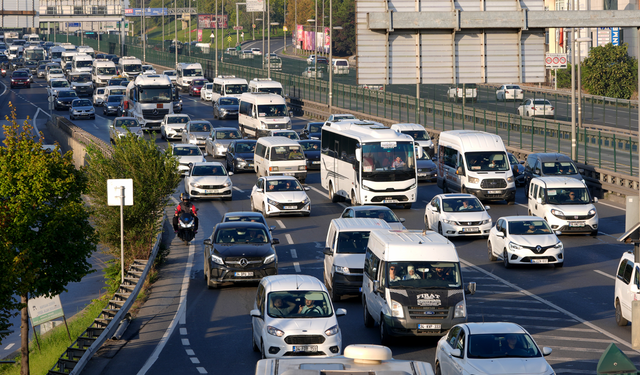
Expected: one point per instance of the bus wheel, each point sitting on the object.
(354, 201)
(332, 193)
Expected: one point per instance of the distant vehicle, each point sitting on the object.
(148, 69)
(419, 135)
(55, 73)
(64, 98)
(291, 134)
(122, 126)
(311, 150)
(41, 72)
(219, 140)
(226, 107)
(239, 156)
(246, 54)
(208, 180)
(340, 66)
(518, 170)
(196, 133)
(536, 108)
(454, 215)
(627, 287)
(509, 92)
(113, 105)
(195, 86)
(468, 91)
(82, 108)
(426, 168)
(312, 131)
(256, 51)
(57, 84)
(280, 195)
(321, 60)
(374, 212)
(172, 75)
(206, 92)
(173, 125)
(20, 79)
(311, 72)
(549, 164)
(186, 154)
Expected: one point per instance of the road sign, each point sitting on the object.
(255, 5)
(43, 309)
(148, 12)
(229, 39)
(182, 11)
(556, 60)
(238, 27)
(254, 25)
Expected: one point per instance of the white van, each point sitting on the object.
(627, 288)
(344, 254)
(406, 275)
(475, 162)
(187, 72)
(82, 63)
(67, 57)
(419, 135)
(340, 66)
(279, 156)
(260, 112)
(87, 51)
(565, 203)
(102, 71)
(228, 86)
(266, 85)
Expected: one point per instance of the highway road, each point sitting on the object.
(569, 309)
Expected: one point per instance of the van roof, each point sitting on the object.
(552, 156)
(568, 182)
(472, 140)
(356, 223)
(264, 97)
(401, 127)
(291, 282)
(277, 141)
(408, 245)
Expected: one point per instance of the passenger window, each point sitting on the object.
(541, 193)
(260, 299)
(453, 335)
(535, 191)
(623, 264)
(460, 342)
(636, 277)
(628, 269)
(371, 265)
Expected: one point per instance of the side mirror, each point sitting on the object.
(230, 173)
(487, 208)
(537, 171)
(359, 154)
(471, 288)
(500, 234)
(522, 162)
(456, 353)
(539, 200)
(546, 351)
(328, 251)
(272, 228)
(205, 154)
(402, 220)
(255, 313)
(307, 188)
(207, 242)
(460, 171)
(275, 241)
(376, 284)
(581, 171)
(557, 232)
(290, 113)
(341, 312)
(595, 199)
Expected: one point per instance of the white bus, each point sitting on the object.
(369, 164)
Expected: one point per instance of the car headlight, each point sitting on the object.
(558, 246)
(452, 222)
(332, 331)
(557, 212)
(306, 201)
(460, 310)
(275, 331)
(270, 259)
(193, 184)
(224, 111)
(514, 246)
(396, 309)
(264, 125)
(592, 212)
(510, 179)
(217, 259)
(486, 221)
(473, 180)
(342, 270)
(240, 160)
(302, 167)
(271, 202)
(227, 183)
(275, 169)
(193, 141)
(139, 133)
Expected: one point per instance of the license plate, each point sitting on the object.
(305, 348)
(494, 192)
(210, 191)
(539, 261)
(316, 162)
(429, 326)
(470, 229)
(576, 224)
(250, 165)
(290, 207)
(422, 175)
(243, 274)
(389, 200)
(289, 174)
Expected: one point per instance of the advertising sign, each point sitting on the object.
(199, 35)
(255, 5)
(208, 21)
(615, 36)
(148, 12)
(604, 36)
(43, 309)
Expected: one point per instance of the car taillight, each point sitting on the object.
(552, 108)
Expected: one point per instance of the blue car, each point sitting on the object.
(311, 149)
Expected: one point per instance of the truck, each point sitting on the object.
(149, 98)
(129, 67)
(10, 36)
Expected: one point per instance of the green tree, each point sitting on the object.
(155, 176)
(344, 41)
(46, 239)
(610, 71)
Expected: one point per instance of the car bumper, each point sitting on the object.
(346, 284)
(299, 175)
(572, 226)
(508, 194)
(313, 164)
(228, 115)
(211, 193)
(83, 114)
(427, 175)
(526, 256)
(223, 274)
(411, 327)
(243, 166)
(173, 133)
(109, 111)
(276, 347)
(451, 230)
(273, 210)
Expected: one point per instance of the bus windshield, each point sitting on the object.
(388, 161)
(155, 94)
(192, 73)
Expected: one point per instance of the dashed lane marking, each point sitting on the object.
(604, 274)
(294, 253)
(289, 239)
(280, 224)
(296, 266)
(238, 189)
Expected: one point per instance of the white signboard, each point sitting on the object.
(43, 309)
(113, 192)
(556, 60)
(255, 5)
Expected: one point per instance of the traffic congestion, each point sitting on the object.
(308, 236)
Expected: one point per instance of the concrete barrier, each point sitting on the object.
(73, 138)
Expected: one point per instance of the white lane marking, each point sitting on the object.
(194, 360)
(294, 253)
(319, 191)
(296, 266)
(190, 352)
(5, 88)
(503, 300)
(524, 317)
(238, 189)
(612, 206)
(522, 205)
(552, 305)
(571, 371)
(183, 331)
(185, 342)
(527, 309)
(281, 224)
(568, 329)
(343, 204)
(582, 339)
(203, 371)
(289, 239)
(179, 316)
(9, 346)
(174, 200)
(605, 274)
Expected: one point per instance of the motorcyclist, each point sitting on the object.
(185, 206)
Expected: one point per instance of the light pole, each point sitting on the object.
(262, 22)
(238, 22)
(144, 42)
(162, 26)
(175, 31)
(269, 49)
(315, 49)
(214, 44)
(579, 83)
(295, 26)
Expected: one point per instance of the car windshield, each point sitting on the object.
(386, 215)
(117, 91)
(417, 135)
(192, 73)
(283, 185)
(315, 128)
(352, 242)
(132, 68)
(55, 71)
(286, 153)
(229, 101)
(84, 63)
(272, 110)
(287, 133)
(186, 151)
(272, 90)
(128, 123)
(208, 86)
(422, 275)
(59, 84)
(568, 196)
(512, 159)
(99, 91)
(20, 74)
(487, 161)
(529, 227)
(299, 304)
(241, 235)
(235, 89)
(501, 345)
(82, 78)
(310, 145)
(253, 218)
(113, 99)
(559, 168)
(67, 94)
(82, 103)
(227, 134)
(470, 204)
(199, 127)
(177, 120)
(208, 170)
(245, 147)
(199, 82)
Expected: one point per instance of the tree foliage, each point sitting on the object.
(155, 176)
(345, 40)
(46, 238)
(610, 71)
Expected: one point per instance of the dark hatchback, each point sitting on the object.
(64, 99)
(226, 107)
(311, 149)
(311, 130)
(20, 78)
(112, 105)
(239, 252)
(240, 155)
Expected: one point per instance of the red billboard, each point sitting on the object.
(208, 21)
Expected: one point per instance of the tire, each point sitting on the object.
(528, 114)
(440, 229)
(620, 320)
(426, 223)
(463, 190)
(264, 356)
(354, 200)
(385, 338)
(529, 212)
(492, 258)
(511, 202)
(210, 284)
(254, 346)
(594, 233)
(332, 194)
(438, 370)
(505, 259)
(264, 210)
(445, 189)
(368, 319)
(406, 206)
(335, 297)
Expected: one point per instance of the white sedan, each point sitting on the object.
(457, 215)
(206, 92)
(172, 126)
(490, 349)
(509, 92)
(186, 154)
(536, 108)
(256, 51)
(208, 180)
(280, 195)
(524, 240)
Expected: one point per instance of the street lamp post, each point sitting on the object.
(579, 83)
(238, 22)
(315, 48)
(175, 31)
(269, 49)
(142, 35)
(262, 22)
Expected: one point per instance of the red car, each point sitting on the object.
(196, 86)
(20, 78)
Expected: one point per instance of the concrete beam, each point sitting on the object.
(81, 18)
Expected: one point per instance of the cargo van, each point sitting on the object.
(412, 284)
(187, 72)
(266, 85)
(228, 86)
(344, 251)
(475, 162)
(102, 71)
(82, 63)
(260, 112)
(627, 288)
(279, 156)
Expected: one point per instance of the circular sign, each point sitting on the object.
(548, 60)
(563, 60)
(254, 25)
(556, 60)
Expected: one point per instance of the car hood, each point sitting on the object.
(312, 155)
(535, 239)
(209, 180)
(199, 134)
(244, 155)
(229, 107)
(133, 130)
(572, 209)
(83, 108)
(175, 126)
(67, 100)
(190, 159)
(510, 365)
(467, 216)
(305, 325)
(287, 196)
(243, 250)
(224, 142)
(20, 78)
(349, 260)
(425, 164)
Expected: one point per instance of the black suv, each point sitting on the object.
(239, 252)
(549, 164)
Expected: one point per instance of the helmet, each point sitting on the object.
(184, 197)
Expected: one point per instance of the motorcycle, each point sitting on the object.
(186, 227)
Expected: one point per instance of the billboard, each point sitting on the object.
(255, 6)
(148, 12)
(208, 21)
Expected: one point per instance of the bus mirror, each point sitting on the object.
(419, 151)
(359, 154)
(460, 171)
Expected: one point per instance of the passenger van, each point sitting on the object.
(260, 112)
(419, 135)
(102, 71)
(412, 284)
(565, 203)
(549, 164)
(475, 162)
(279, 156)
(266, 85)
(340, 66)
(67, 57)
(627, 288)
(82, 63)
(228, 86)
(187, 72)
(344, 254)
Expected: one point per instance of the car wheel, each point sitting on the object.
(492, 257)
(406, 206)
(368, 319)
(511, 202)
(505, 259)
(528, 114)
(426, 223)
(264, 356)
(594, 233)
(253, 341)
(438, 370)
(620, 320)
(210, 284)
(385, 338)
(104, 112)
(529, 212)
(264, 210)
